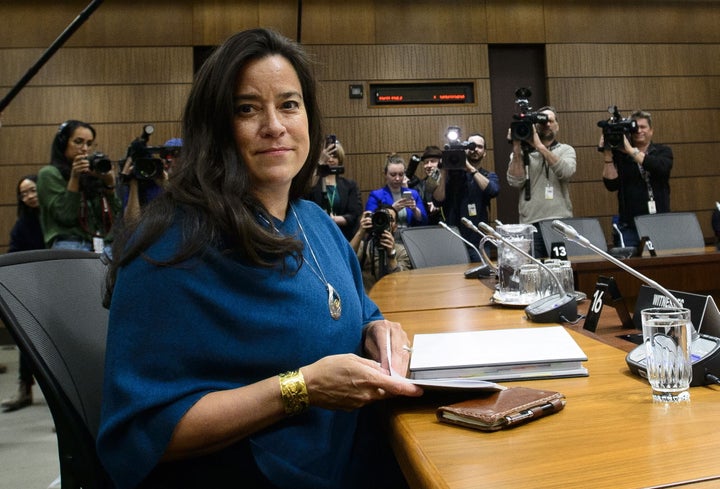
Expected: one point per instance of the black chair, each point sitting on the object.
(50, 301)
(671, 231)
(432, 246)
(588, 227)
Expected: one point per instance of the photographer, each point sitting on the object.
(639, 171)
(78, 203)
(337, 195)
(430, 161)
(140, 186)
(407, 203)
(543, 167)
(468, 192)
(375, 240)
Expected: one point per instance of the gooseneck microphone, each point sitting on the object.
(484, 270)
(570, 233)
(705, 349)
(551, 309)
(483, 256)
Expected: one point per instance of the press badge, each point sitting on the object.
(472, 210)
(549, 192)
(651, 207)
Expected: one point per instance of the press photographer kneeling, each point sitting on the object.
(375, 245)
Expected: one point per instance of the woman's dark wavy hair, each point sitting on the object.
(209, 184)
(24, 210)
(57, 153)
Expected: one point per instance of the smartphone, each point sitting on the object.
(330, 140)
(407, 195)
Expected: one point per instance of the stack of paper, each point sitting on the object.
(497, 355)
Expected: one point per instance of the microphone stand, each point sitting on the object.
(551, 309)
(570, 233)
(484, 270)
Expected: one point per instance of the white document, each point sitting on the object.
(505, 354)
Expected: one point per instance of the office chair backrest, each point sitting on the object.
(432, 246)
(51, 302)
(671, 231)
(588, 227)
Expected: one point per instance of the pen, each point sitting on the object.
(526, 414)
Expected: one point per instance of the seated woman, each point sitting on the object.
(378, 251)
(337, 195)
(407, 202)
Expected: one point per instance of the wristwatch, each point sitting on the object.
(473, 172)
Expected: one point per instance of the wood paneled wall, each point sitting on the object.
(131, 64)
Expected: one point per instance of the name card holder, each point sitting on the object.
(703, 310)
(607, 292)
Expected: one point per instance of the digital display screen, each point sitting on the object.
(422, 93)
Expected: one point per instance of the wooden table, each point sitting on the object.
(610, 435)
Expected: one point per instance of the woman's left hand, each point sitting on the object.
(376, 336)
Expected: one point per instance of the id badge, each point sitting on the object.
(472, 210)
(98, 244)
(549, 192)
(651, 207)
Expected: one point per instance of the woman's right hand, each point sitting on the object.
(348, 382)
(80, 165)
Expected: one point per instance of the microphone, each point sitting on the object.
(570, 233)
(551, 309)
(623, 251)
(484, 270)
(705, 349)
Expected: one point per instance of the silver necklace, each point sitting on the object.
(333, 301)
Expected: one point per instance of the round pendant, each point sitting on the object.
(334, 302)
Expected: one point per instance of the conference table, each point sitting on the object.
(610, 434)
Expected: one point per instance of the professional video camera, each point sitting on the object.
(148, 161)
(99, 163)
(453, 155)
(616, 128)
(521, 129)
(325, 170)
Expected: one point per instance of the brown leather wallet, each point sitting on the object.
(502, 409)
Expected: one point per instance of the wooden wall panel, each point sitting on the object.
(651, 93)
(333, 22)
(400, 62)
(96, 104)
(619, 21)
(100, 66)
(126, 23)
(515, 22)
(624, 60)
(215, 20)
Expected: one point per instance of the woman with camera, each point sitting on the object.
(337, 195)
(78, 203)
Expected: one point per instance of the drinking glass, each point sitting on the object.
(667, 333)
(529, 283)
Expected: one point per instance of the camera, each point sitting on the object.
(148, 161)
(380, 223)
(453, 155)
(99, 163)
(325, 170)
(521, 129)
(616, 128)
(330, 140)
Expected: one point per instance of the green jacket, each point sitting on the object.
(60, 209)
